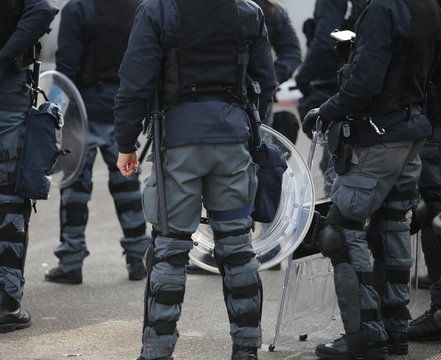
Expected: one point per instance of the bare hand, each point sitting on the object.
(127, 163)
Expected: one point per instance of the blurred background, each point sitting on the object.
(299, 10)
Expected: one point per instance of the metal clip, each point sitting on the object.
(377, 130)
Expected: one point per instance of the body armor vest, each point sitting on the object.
(203, 59)
(407, 77)
(108, 40)
(9, 16)
(269, 8)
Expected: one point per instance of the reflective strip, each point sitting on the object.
(228, 215)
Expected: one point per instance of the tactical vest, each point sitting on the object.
(9, 16)
(269, 8)
(204, 59)
(408, 73)
(108, 40)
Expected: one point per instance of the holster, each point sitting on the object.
(339, 147)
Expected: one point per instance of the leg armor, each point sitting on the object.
(15, 212)
(430, 242)
(165, 288)
(388, 236)
(74, 214)
(335, 242)
(242, 286)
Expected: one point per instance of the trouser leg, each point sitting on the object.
(14, 209)
(127, 199)
(74, 214)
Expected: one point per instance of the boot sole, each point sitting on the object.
(425, 338)
(12, 327)
(63, 281)
(372, 354)
(398, 349)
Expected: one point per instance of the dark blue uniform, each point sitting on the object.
(425, 327)
(396, 48)
(32, 22)
(328, 16)
(84, 55)
(206, 156)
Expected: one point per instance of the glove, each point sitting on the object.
(308, 123)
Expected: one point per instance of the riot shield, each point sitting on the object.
(275, 241)
(61, 90)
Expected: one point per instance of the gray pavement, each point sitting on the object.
(102, 318)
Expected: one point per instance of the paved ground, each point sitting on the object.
(101, 319)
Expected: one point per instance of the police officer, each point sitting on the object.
(425, 326)
(22, 23)
(378, 128)
(329, 15)
(92, 40)
(286, 48)
(204, 50)
(284, 41)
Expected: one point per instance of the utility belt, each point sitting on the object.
(363, 130)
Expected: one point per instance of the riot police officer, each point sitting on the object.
(377, 128)
(92, 40)
(22, 24)
(283, 40)
(425, 326)
(206, 51)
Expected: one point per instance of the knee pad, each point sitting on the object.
(426, 212)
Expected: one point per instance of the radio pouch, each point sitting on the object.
(338, 146)
(41, 148)
(272, 165)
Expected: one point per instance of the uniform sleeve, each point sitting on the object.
(328, 15)
(287, 48)
(33, 24)
(378, 34)
(141, 64)
(261, 66)
(72, 37)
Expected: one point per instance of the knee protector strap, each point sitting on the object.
(398, 312)
(170, 297)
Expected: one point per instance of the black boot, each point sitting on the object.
(424, 327)
(59, 276)
(397, 344)
(12, 317)
(338, 349)
(136, 268)
(244, 353)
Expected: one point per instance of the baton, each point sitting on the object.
(157, 117)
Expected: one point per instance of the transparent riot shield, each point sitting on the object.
(61, 90)
(275, 241)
